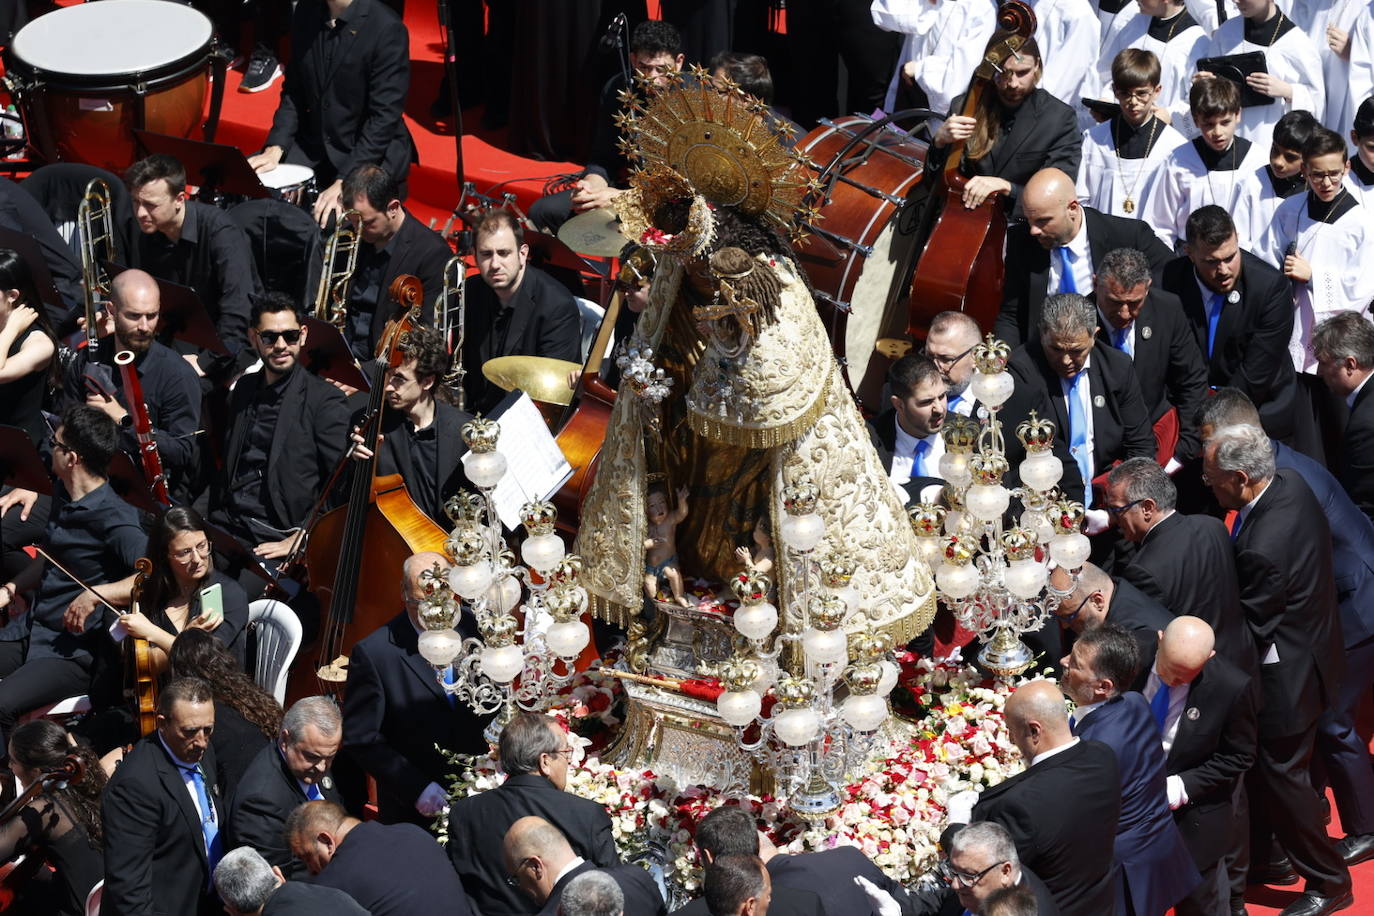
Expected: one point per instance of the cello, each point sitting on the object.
(960, 266)
(380, 522)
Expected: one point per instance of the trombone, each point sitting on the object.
(331, 296)
(455, 271)
(95, 227)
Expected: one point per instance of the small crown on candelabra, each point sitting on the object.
(869, 645)
(538, 517)
(990, 356)
(464, 508)
(1020, 543)
(439, 608)
(466, 545)
(1036, 433)
(838, 569)
(567, 571)
(481, 434)
(794, 692)
(738, 673)
(987, 469)
(961, 549)
(1066, 516)
(828, 611)
(800, 497)
(500, 632)
(927, 519)
(863, 679)
(565, 604)
(750, 587)
(960, 433)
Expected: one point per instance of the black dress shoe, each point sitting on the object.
(1278, 873)
(1356, 849)
(1313, 905)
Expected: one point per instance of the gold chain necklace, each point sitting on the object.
(1277, 26)
(1178, 17)
(1128, 205)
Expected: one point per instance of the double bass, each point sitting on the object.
(354, 553)
(960, 266)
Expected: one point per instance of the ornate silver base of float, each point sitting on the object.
(690, 639)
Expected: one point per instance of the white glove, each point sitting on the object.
(883, 902)
(1097, 520)
(1178, 795)
(432, 800)
(959, 808)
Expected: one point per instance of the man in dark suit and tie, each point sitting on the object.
(907, 434)
(730, 832)
(542, 863)
(1058, 250)
(1344, 754)
(534, 755)
(288, 772)
(1241, 313)
(392, 243)
(1147, 324)
(249, 886)
(1344, 347)
(512, 309)
(1205, 709)
(1288, 592)
(388, 869)
(344, 95)
(1155, 870)
(1062, 810)
(1098, 598)
(981, 860)
(1185, 562)
(162, 817)
(397, 716)
(1099, 414)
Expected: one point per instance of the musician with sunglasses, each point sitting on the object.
(288, 428)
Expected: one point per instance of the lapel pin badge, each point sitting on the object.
(327, 782)
(1099, 401)
(1233, 296)
(1192, 714)
(1147, 332)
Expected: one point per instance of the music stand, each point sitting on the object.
(126, 477)
(328, 355)
(232, 549)
(183, 314)
(20, 464)
(211, 167)
(27, 248)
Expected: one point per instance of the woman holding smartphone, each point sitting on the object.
(185, 591)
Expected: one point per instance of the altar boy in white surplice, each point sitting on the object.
(1166, 29)
(1360, 179)
(1281, 177)
(1321, 240)
(1121, 153)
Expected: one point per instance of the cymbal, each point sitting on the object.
(543, 379)
(595, 233)
(892, 347)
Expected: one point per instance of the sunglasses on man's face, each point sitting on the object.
(270, 338)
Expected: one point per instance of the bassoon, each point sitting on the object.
(143, 427)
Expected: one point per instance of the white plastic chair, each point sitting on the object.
(93, 898)
(278, 639)
(591, 315)
(62, 709)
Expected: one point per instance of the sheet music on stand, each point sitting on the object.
(535, 465)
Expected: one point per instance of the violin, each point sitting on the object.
(140, 674)
(960, 267)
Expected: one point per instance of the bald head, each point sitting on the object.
(535, 837)
(136, 306)
(416, 566)
(1185, 646)
(1036, 718)
(1049, 186)
(1050, 203)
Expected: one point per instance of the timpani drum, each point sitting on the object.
(86, 76)
(866, 170)
(291, 181)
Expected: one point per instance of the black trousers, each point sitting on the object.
(38, 682)
(1343, 760)
(822, 32)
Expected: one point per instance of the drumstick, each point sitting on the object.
(62, 569)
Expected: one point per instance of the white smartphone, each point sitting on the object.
(212, 602)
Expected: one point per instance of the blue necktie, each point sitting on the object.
(1213, 316)
(448, 679)
(918, 460)
(1078, 434)
(952, 403)
(1123, 341)
(1235, 526)
(312, 793)
(1160, 705)
(209, 824)
(1066, 281)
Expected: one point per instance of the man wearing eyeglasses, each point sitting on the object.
(1098, 598)
(983, 860)
(288, 428)
(949, 345)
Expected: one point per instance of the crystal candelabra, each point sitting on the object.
(996, 579)
(511, 665)
(810, 741)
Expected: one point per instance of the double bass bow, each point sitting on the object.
(960, 266)
(380, 523)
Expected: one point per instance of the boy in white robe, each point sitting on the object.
(1121, 153)
(1166, 29)
(1281, 177)
(1219, 167)
(944, 42)
(1329, 24)
(1360, 180)
(1294, 70)
(1068, 35)
(1319, 241)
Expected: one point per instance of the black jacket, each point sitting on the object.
(236, 742)
(1138, 612)
(1028, 267)
(349, 112)
(786, 901)
(830, 875)
(154, 848)
(1061, 814)
(642, 897)
(1288, 594)
(1168, 365)
(1357, 460)
(310, 436)
(296, 898)
(544, 321)
(395, 870)
(416, 250)
(477, 823)
(266, 794)
(1251, 347)
(395, 456)
(20, 212)
(395, 713)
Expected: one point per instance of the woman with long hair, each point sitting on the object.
(246, 716)
(28, 347)
(60, 825)
(181, 583)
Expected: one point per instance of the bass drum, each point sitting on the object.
(87, 76)
(866, 170)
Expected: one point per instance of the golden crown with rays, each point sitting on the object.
(704, 140)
